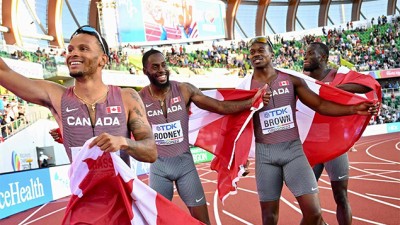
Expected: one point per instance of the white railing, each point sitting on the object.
(10, 129)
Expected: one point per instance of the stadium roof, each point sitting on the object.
(44, 23)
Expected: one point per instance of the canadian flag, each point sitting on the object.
(175, 100)
(105, 191)
(113, 109)
(228, 137)
(284, 83)
(231, 137)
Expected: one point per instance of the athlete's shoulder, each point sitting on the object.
(130, 96)
(128, 91)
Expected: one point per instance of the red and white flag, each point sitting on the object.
(175, 100)
(228, 137)
(105, 191)
(231, 137)
(284, 83)
(113, 109)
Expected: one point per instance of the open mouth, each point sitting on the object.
(257, 60)
(74, 64)
(162, 78)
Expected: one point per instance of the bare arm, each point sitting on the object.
(40, 92)
(354, 88)
(193, 94)
(143, 147)
(329, 108)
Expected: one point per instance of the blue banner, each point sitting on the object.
(160, 21)
(130, 21)
(23, 190)
(393, 127)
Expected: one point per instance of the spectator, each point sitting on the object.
(3, 126)
(43, 160)
(1, 106)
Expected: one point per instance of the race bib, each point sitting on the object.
(276, 119)
(168, 133)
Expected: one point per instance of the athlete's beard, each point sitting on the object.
(77, 74)
(158, 84)
(311, 67)
(155, 82)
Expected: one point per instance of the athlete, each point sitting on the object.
(315, 64)
(90, 108)
(167, 108)
(279, 152)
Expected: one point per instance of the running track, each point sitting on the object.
(374, 192)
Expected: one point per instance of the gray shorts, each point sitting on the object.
(283, 162)
(338, 168)
(181, 170)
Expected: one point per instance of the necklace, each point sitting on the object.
(152, 95)
(92, 105)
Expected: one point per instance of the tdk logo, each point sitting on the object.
(276, 112)
(166, 127)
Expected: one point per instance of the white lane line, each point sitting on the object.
(377, 180)
(373, 163)
(247, 190)
(379, 158)
(291, 205)
(216, 213)
(354, 217)
(32, 214)
(236, 217)
(382, 170)
(44, 216)
(373, 174)
(382, 196)
(365, 196)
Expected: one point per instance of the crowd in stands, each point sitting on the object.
(12, 115)
(368, 47)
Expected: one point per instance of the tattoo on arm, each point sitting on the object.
(193, 90)
(135, 123)
(138, 111)
(136, 96)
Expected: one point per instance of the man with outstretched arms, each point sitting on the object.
(90, 108)
(167, 108)
(279, 152)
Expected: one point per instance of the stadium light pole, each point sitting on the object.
(107, 11)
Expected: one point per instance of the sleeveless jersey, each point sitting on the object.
(77, 127)
(329, 77)
(276, 122)
(171, 131)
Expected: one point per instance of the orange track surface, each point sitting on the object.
(374, 192)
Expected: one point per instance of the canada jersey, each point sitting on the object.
(77, 127)
(330, 77)
(171, 131)
(276, 122)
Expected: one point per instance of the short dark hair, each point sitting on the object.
(321, 48)
(147, 54)
(86, 29)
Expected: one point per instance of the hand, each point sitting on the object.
(367, 108)
(265, 95)
(56, 135)
(109, 143)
